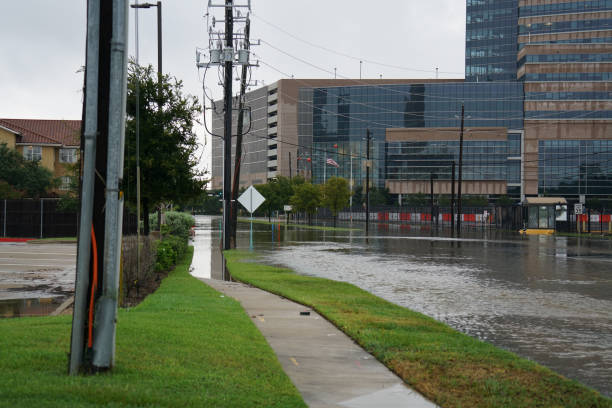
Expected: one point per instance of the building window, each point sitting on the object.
(32, 153)
(67, 156)
(66, 181)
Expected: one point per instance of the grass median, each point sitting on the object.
(448, 367)
(186, 345)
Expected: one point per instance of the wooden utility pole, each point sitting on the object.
(227, 128)
(239, 135)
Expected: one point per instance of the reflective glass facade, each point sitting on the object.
(491, 40)
(564, 8)
(482, 160)
(341, 116)
(572, 167)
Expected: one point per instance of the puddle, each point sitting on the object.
(28, 307)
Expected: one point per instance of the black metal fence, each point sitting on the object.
(42, 218)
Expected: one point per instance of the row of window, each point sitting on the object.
(593, 40)
(561, 8)
(575, 166)
(34, 153)
(560, 96)
(605, 57)
(482, 160)
(602, 114)
(565, 26)
(569, 76)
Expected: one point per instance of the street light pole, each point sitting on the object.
(460, 171)
(159, 103)
(368, 181)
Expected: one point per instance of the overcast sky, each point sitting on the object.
(43, 45)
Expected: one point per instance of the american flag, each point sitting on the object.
(332, 162)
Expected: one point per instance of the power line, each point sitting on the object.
(347, 55)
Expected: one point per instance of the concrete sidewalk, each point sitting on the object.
(326, 366)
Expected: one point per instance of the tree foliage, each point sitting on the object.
(336, 195)
(306, 198)
(21, 178)
(168, 143)
(277, 193)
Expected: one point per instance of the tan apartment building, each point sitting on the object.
(55, 143)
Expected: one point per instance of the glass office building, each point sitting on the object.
(341, 116)
(573, 167)
(491, 40)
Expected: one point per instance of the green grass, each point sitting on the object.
(300, 226)
(183, 346)
(448, 367)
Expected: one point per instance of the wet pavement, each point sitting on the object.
(31, 271)
(546, 298)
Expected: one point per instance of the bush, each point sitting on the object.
(169, 251)
(177, 223)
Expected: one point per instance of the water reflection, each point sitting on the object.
(28, 307)
(207, 257)
(545, 298)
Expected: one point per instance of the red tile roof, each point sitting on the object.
(39, 131)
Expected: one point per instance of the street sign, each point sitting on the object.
(287, 208)
(251, 199)
(578, 208)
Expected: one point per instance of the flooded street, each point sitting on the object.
(545, 298)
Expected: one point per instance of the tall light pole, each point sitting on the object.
(460, 171)
(368, 138)
(159, 103)
(159, 37)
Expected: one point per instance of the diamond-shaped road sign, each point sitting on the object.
(251, 199)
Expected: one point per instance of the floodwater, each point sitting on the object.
(28, 307)
(545, 298)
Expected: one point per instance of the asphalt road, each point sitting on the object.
(36, 270)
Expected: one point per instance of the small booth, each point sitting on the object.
(544, 215)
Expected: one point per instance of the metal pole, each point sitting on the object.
(290, 175)
(42, 204)
(137, 148)
(4, 219)
(460, 171)
(431, 197)
(368, 181)
(90, 130)
(325, 171)
(106, 307)
(351, 185)
(452, 209)
(227, 127)
(159, 48)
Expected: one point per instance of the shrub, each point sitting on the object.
(177, 223)
(169, 251)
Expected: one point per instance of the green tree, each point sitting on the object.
(474, 201)
(168, 142)
(380, 196)
(307, 198)
(415, 200)
(336, 195)
(23, 178)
